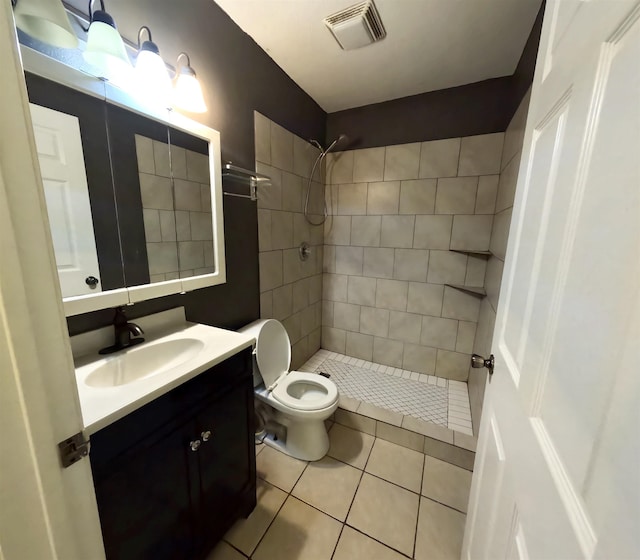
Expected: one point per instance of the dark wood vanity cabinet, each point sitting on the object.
(173, 476)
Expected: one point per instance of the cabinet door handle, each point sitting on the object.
(206, 435)
(194, 445)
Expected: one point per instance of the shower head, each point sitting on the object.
(342, 138)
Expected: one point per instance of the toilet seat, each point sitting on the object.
(305, 391)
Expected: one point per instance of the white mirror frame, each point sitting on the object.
(56, 71)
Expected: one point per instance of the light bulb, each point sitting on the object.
(105, 49)
(187, 91)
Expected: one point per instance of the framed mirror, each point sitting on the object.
(133, 193)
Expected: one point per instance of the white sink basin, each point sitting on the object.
(144, 361)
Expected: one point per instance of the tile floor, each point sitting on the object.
(432, 399)
(368, 499)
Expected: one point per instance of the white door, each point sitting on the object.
(64, 178)
(557, 474)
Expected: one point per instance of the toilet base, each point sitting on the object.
(307, 441)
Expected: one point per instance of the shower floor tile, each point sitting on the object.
(425, 397)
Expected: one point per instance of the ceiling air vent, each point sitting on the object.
(356, 26)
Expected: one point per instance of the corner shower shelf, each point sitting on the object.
(484, 254)
(477, 292)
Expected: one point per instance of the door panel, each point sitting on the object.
(64, 178)
(568, 314)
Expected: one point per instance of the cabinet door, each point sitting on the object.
(226, 462)
(144, 502)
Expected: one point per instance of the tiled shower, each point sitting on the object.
(401, 285)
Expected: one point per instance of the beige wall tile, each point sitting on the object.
(187, 195)
(452, 365)
(439, 333)
(299, 530)
(476, 268)
(379, 413)
(446, 267)
(374, 321)
(397, 231)
(466, 336)
(334, 339)
(419, 358)
(404, 326)
(197, 167)
(387, 352)
(433, 232)
(190, 254)
(161, 159)
(493, 279)
(329, 259)
(457, 195)
(481, 155)
(368, 165)
(304, 156)
(300, 294)
(440, 531)
(262, 132)
(292, 192)
(386, 512)
(291, 266)
(327, 313)
(337, 230)
(361, 291)
(201, 226)
(400, 436)
(500, 233)
(396, 464)
(391, 294)
(281, 230)
(439, 158)
(383, 198)
(418, 196)
(425, 298)
(271, 196)
(507, 184)
(281, 148)
(457, 304)
(270, 270)
(365, 230)
(359, 346)
(402, 161)
(293, 325)
(282, 302)
(378, 262)
(352, 199)
(411, 264)
(349, 260)
(151, 219)
(487, 193)
(144, 153)
(183, 228)
(471, 233)
(156, 192)
(266, 305)
(340, 167)
(346, 316)
(514, 135)
(179, 162)
(334, 287)
(163, 257)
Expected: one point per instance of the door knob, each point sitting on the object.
(206, 435)
(478, 361)
(91, 281)
(195, 445)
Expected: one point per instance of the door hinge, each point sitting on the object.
(73, 449)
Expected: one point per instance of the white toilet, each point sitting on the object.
(302, 401)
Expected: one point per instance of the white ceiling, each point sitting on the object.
(430, 45)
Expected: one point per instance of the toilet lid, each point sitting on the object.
(321, 392)
(273, 351)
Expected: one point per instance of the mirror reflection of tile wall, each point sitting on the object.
(176, 200)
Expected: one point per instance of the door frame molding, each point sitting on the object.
(48, 511)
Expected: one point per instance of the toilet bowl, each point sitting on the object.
(300, 401)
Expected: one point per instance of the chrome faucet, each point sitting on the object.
(123, 331)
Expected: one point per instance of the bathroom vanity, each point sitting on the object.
(172, 448)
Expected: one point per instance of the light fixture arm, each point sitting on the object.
(91, 3)
(140, 33)
(181, 65)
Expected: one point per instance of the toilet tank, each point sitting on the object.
(272, 350)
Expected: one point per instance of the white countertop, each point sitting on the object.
(103, 405)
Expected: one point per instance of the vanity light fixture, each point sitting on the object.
(187, 91)
(105, 48)
(151, 71)
(47, 21)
